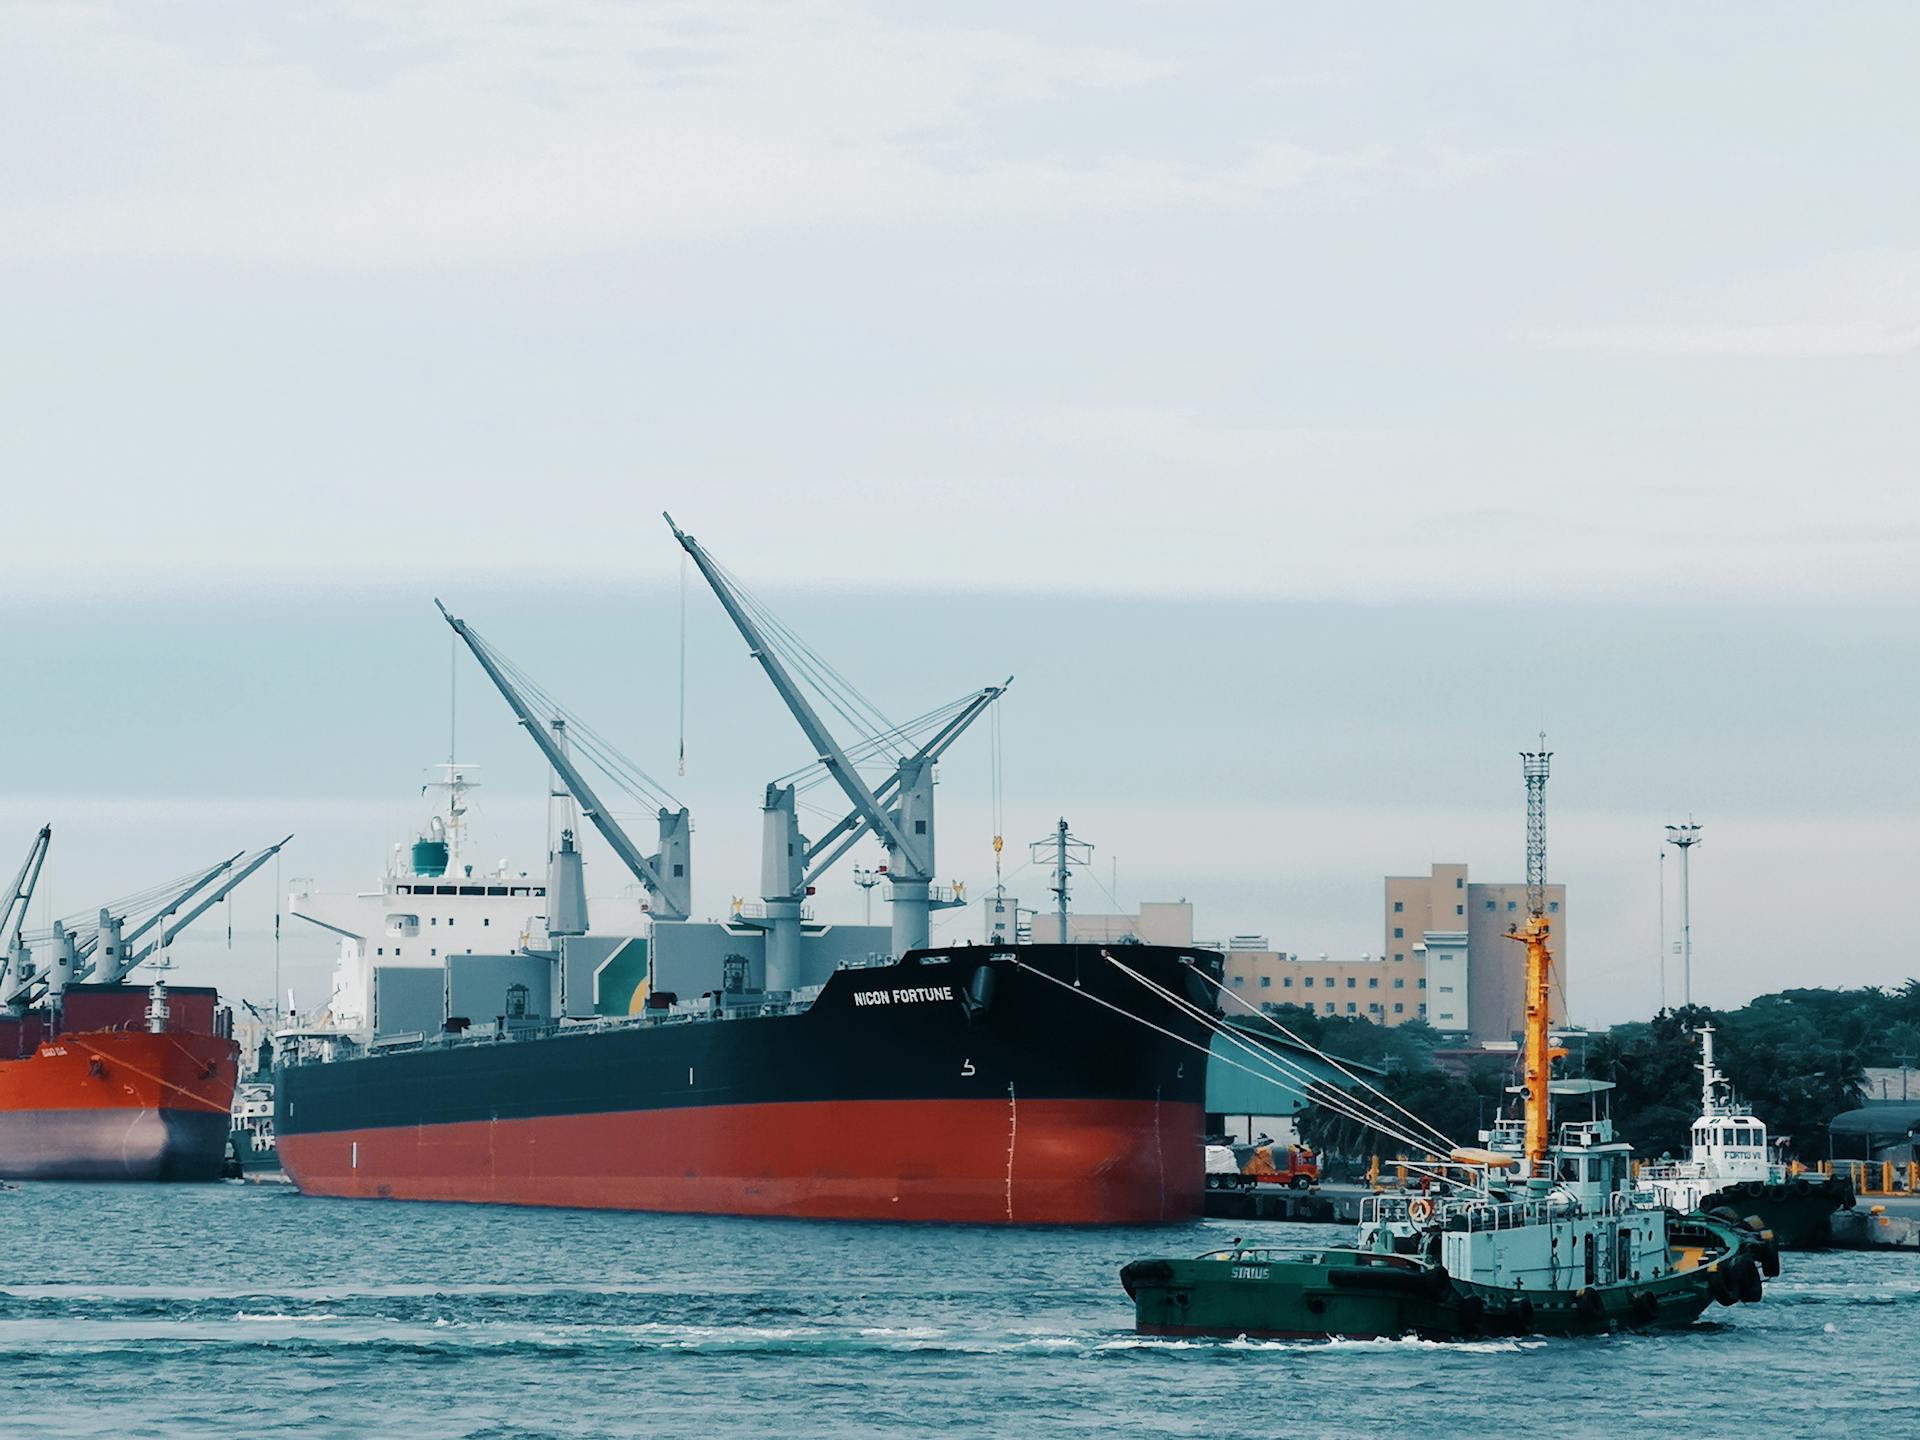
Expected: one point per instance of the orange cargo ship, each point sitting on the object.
(91, 1092)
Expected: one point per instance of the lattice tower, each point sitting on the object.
(1534, 765)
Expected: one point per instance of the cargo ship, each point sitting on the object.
(132, 1082)
(101, 1079)
(763, 1064)
(970, 1084)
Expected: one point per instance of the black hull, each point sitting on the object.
(963, 1084)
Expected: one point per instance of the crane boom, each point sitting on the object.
(194, 887)
(853, 825)
(206, 903)
(828, 752)
(21, 895)
(670, 897)
(19, 900)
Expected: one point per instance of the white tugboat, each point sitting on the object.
(1731, 1167)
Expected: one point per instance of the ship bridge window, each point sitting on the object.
(521, 890)
(473, 889)
(496, 889)
(442, 890)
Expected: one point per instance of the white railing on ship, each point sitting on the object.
(1377, 1209)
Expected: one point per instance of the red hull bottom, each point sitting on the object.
(1038, 1162)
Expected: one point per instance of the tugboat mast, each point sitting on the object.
(1540, 1052)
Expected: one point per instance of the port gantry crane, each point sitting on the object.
(667, 875)
(112, 952)
(898, 812)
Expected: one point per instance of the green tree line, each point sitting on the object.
(1797, 1058)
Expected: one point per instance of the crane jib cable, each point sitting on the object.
(1315, 1050)
(1207, 1050)
(600, 752)
(1312, 1087)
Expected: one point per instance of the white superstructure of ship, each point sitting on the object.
(432, 902)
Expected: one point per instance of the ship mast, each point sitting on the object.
(1540, 1051)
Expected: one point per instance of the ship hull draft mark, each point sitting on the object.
(1068, 1162)
(969, 1086)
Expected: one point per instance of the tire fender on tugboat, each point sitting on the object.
(1720, 1286)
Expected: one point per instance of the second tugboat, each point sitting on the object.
(1543, 1231)
(1730, 1170)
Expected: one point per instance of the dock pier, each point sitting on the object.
(1876, 1223)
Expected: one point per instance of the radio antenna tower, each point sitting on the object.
(1066, 850)
(1534, 765)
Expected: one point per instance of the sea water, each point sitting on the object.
(243, 1310)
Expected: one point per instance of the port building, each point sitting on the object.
(1444, 955)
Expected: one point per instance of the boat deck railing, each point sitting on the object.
(1700, 1170)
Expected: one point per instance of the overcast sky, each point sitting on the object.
(1308, 403)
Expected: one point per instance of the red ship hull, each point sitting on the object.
(118, 1105)
(1068, 1162)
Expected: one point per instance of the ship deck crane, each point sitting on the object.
(899, 812)
(19, 899)
(102, 957)
(111, 952)
(667, 875)
(133, 958)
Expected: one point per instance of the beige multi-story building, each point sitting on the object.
(1382, 991)
(1445, 958)
(1455, 930)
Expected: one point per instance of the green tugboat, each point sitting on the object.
(1542, 1231)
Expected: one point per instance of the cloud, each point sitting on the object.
(1849, 304)
(1837, 340)
(423, 136)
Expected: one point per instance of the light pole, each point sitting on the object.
(866, 880)
(1663, 930)
(1684, 838)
